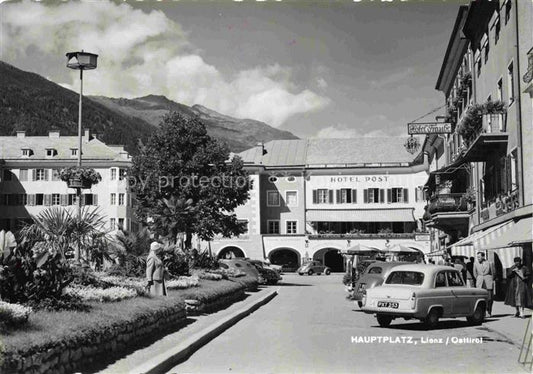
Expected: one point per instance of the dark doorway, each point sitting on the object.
(288, 258)
(230, 252)
(334, 260)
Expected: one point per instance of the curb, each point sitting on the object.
(172, 357)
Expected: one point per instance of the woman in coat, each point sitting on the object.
(518, 292)
(155, 271)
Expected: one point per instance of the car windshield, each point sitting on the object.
(413, 278)
(375, 270)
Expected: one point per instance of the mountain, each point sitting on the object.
(239, 134)
(32, 103)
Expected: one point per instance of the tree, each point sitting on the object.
(185, 183)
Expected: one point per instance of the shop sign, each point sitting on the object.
(429, 128)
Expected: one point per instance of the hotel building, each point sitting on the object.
(313, 199)
(481, 176)
(30, 183)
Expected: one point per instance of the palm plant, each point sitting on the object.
(129, 249)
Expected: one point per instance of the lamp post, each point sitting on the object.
(80, 61)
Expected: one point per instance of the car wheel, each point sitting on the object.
(360, 304)
(301, 274)
(383, 320)
(432, 318)
(478, 316)
(327, 272)
(310, 272)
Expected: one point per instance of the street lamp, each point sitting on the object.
(80, 61)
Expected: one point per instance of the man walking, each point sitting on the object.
(471, 280)
(484, 275)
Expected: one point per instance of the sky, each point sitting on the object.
(326, 69)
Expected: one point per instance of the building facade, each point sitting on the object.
(480, 186)
(30, 182)
(314, 199)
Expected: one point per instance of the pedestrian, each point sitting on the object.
(518, 293)
(470, 279)
(460, 265)
(485, 278)
(155, 271)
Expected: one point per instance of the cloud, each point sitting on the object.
(147, 53)
(342, 131)
(321, 83)
(393, 78)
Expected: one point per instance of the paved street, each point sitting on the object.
(309, 328)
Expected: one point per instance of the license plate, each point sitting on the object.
(387, 304)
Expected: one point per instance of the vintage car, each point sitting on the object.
(313, 267)
(373, 276)
(269, 275)
(267, 265)
(242, 265)
(427, 293)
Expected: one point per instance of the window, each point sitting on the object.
(40, 174)
(22, 199)
(414, 278)
(272, 198)
(478, 66)
(72, 199)
(510, 83)
(291, 198)
(346, 196)
(113, 199)
(374, 195)
(508, 6)
(120, 199)
(7, 175)
(375, 270)
(292, 227)
(113, 223)
(39, 199)
(51, 152)
(323, 196)
(23, 175)
(397, 195)
(121, 224)
(73, 152)
(113, 174)
(497, 31)
(500, 97)
(273, 227)
(56, 200)
(514, 170)
(122, 174)
(440, 279)
(26, 152)
(454, 279)
(486, 49)
(87, 199)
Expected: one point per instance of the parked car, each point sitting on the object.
(373, 276)
(313, 267)
(267, 265)
(427, 293)
(269, 275)
(242, 265)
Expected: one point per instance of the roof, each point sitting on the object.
(426, 268)
(365, 151)
(94, 149)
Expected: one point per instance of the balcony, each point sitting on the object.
(500, 205)
(448, 212)
(388, 235)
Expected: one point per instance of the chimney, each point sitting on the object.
(54, 133)
(21, 134)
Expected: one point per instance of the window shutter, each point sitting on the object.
(46, 174)
(508, 166)
(315, 197)
(63, 199)
(354, 196)
(365, 196)
(47, 199)
(405, 195)
(381, 195)
(330, 192)
(389, 195)
(31, 199)
(95, 199)
(338, 196)
(83, 199)
(33, 174)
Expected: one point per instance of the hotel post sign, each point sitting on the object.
(429, 128)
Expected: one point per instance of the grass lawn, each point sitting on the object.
(47, 328)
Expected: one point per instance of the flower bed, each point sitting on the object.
(208, 275)
(182, 283)
(13, 314)
(110, 294)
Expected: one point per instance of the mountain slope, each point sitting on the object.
(32, 103)
(239, 134)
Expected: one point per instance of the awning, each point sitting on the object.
(507, 255)
(440, 252)
(447, 172)
(464, 247)
(505, 235)
(361, 215)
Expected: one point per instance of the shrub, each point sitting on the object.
(89, 293)
(13, 314)
(175, 261)
(228, 273)
(182, 283)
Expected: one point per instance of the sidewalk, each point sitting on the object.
(182, 343)
(503, 322)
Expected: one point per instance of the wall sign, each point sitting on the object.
(429, 128)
